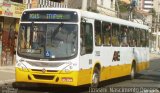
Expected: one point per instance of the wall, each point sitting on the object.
(77, 4)
(43, 4)
(106, 7)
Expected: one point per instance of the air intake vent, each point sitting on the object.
(40, 70)
(43, 77)
(45, 64)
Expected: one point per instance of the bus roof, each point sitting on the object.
(97, 16)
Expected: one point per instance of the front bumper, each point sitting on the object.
(47, 78)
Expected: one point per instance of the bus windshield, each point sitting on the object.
(48, 41)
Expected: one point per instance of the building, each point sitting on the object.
(155, 44)
(101, 6)
(145, 5)
(10, 13)
(156, 5)
(107, 7)
(126, 1)
(44, 4)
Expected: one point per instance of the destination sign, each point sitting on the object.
(50, 16)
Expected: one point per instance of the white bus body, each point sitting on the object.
(77, 65)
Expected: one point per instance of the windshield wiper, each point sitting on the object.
(56, 31)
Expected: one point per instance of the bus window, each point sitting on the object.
(98, 37)
(143, 42)
(86, 38)
(115, 35)
(131, 41)
(124, 32)
(137, 37)
(147, 38)
(106, 30)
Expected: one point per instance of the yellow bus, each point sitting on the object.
(64, 46)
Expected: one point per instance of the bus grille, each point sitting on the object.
(43, 77)
(38, 70)
(45, 64)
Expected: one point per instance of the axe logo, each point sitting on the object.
(116, 56)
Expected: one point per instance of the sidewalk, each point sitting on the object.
(9, 68)
(7, 74)
(12, 68)
(154, 56)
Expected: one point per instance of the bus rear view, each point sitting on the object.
(48, 47)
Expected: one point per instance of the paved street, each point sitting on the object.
(7, 74)
(147, 79)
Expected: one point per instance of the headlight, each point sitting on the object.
(21, 67)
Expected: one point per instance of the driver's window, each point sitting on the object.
(86, 38)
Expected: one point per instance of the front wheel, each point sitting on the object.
(95, 78)
(133, 72)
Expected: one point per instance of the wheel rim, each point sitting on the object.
(132, 73)
(95, 80)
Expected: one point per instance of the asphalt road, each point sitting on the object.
(147, 81)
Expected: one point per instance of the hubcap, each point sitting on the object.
(95, 80)
(132, 73)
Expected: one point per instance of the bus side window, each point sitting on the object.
(131, 41)
(124, 32)
(98, 36)
(82, 39)
(138, 37)
(106, 30)
(147, 38)
(115, 35)
(86, 38)
(135, 37)
(143, 42)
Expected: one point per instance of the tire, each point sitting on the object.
(95, 78)
(133, 72)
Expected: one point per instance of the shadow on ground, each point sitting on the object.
(63, 89)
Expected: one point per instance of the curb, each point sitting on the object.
(154, 56)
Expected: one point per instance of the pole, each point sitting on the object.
(84, 5)
(157, 26)
(117, 4)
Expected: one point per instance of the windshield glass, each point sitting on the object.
(48, 40)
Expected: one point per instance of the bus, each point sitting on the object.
(62, 46)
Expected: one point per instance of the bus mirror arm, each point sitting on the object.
(83, 20)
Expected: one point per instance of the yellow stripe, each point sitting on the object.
(142, 66)
(81, 77)
(115, 71)
(22, 76)
(84, 76)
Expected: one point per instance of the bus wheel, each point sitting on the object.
(95, 78)
(133, 72)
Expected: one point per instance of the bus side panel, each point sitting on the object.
(142, 59)
(84, 76)
(113, 68)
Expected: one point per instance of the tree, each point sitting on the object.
(123, 7)
(153, 11)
